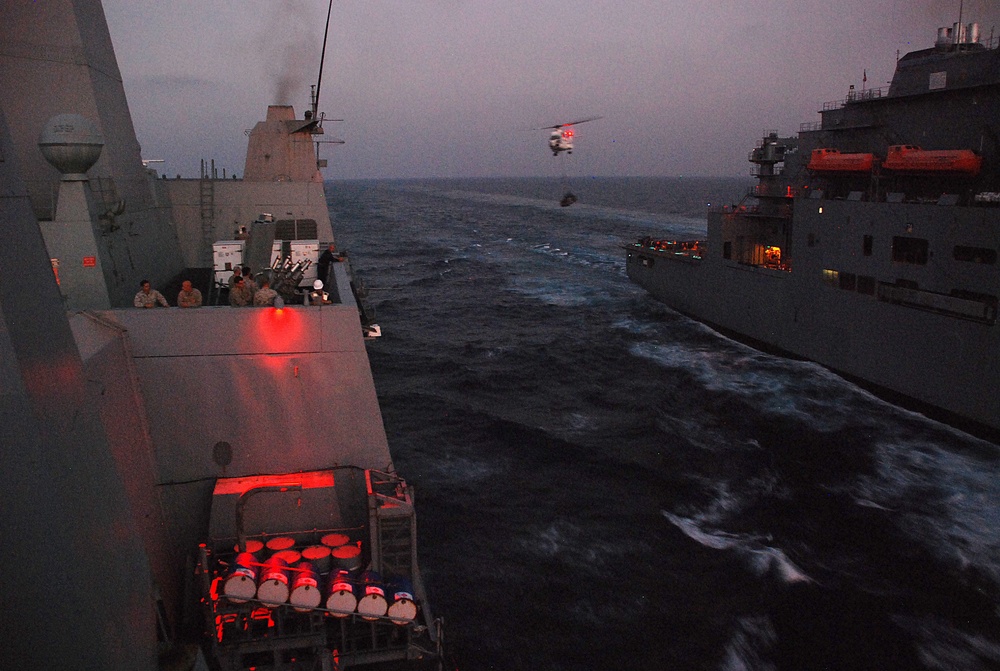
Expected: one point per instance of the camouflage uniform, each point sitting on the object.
(144, 300)
(189, 299)
(264, 296)
(240, 296)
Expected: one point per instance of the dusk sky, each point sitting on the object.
(447, 88)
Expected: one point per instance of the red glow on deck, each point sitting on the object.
(279, 327)
(57, 382)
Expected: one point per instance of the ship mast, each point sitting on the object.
(322, 57)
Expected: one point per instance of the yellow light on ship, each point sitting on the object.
(772, 256)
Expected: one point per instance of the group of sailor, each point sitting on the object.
(148, 297)
(244, 291)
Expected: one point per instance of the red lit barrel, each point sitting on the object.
(288, 556)
(347, 557)
(273, 588)
(305, 592)
(334, 540)
(341, 595)
(279, 543)
(372, 604)
(402, 607)
(241, 583)
(319, 555)
(253, 547)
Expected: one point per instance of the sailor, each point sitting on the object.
(248, 277)
(325, 259)
(239, 295)
(237, 272)
(317, 296)
(265, 295)
(148, 297)
(189, 297)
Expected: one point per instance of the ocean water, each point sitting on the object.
(603, 483)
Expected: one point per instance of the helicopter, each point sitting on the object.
(561, 138)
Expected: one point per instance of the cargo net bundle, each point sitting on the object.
(294, 603)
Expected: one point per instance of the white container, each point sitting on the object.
(226, 255)
(305, 249)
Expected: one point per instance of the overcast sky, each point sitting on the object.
(446, 88)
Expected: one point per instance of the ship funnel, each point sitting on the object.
(972, 33)
(958, 33)
(943, 38)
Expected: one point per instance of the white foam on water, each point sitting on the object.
(798, 390)
(576, 547)
(449, 468)
(557, 293)
(761, 558)
(942, 646)
(943, 499)
(751, 637)
(717, 540)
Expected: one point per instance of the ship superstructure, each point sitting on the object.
(870, 241)
(153, 456)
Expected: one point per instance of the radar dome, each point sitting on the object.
(72, 144)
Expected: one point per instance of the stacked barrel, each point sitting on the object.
(325, 576)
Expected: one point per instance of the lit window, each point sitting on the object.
(772, 257)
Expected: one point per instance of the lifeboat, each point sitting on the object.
(910, 158)
(831, 160)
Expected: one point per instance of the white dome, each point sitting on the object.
(71, 143)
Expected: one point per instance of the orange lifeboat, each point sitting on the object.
(831, 160)
(910, 158)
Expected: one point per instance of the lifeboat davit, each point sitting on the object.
(910, 158)
(832, 160)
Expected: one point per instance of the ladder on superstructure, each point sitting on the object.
(206, 199)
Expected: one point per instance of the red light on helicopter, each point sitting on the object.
(568, 133)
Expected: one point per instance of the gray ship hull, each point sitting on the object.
(870, 243)
(929, 347)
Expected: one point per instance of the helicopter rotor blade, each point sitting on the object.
(571, 123)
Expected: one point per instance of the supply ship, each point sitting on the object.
(869, 243)
(204, 488)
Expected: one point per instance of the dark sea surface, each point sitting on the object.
(603, 483)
